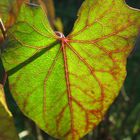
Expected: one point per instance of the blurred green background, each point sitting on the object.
(122, 122)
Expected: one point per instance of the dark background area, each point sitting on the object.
(122, 122)
(67, 10)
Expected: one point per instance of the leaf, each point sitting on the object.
(7, 128)
(4, 10)
(48, 5)
(67, 84)
(58, 24)
(3, 100)
(8, 12)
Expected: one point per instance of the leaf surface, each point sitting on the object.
(67, 84)
(49, 6)
(8, 12)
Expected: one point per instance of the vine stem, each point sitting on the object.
(3, 29)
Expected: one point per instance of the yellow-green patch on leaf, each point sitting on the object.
(66, 84)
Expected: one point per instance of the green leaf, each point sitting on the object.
(48, 5)
(8, 12)
(67, 84)
(7, 128)
(4, 12)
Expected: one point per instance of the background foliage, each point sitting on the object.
(122, 121)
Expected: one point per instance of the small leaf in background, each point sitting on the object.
(67, 84)
(8, 12)
(5, 10)
(58, 24)
(48, 5)
(7, 128)
(3, 100)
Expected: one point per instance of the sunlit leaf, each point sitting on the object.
(67, 84)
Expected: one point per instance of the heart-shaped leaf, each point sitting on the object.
(66, 84)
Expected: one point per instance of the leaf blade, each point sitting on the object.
(80, 76)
